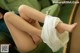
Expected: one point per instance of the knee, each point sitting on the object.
(21, 8)
(8, 15)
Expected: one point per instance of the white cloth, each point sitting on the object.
(51, 36)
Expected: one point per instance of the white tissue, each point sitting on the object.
(51, 36)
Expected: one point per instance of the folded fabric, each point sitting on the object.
(51, 36)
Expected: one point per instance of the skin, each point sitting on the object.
(25, 29)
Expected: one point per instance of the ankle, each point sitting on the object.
(60, 30)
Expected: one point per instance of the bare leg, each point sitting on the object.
(35, 23)
(61, 27)
(22, 39)
(21, 24)
(36, 15)
(32, 13)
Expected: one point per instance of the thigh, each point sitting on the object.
(35, 24)
(31, 21)
(22, 39)
(32, 13)
(21, 24)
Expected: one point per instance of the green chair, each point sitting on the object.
(11, 5)
(44, 3)
(52, 10)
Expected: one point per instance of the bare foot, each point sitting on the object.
(72, 27)
(61, 27)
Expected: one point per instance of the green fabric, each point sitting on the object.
(43, 48)
(65, 12)
(3, 38)
(14, 4)
(53, 10)
(44, 3)
(35, 4)
(3, 5)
